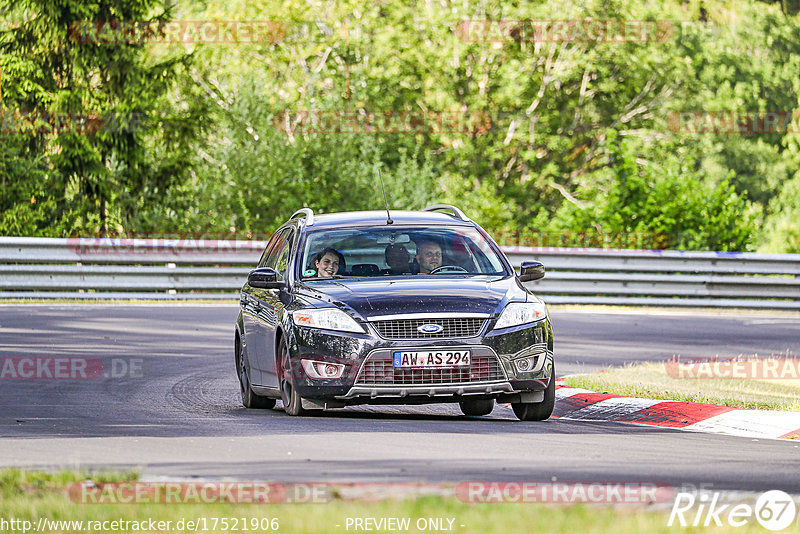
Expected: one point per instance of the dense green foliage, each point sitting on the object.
(555, 142)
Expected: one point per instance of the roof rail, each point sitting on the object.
(457, 213)
(309, 214)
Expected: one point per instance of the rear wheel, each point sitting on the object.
(292, 402)
(477, 406)
(249, 398)
(538, 411)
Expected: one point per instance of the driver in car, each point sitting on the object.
(429, 256)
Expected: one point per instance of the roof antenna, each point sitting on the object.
(386, 202)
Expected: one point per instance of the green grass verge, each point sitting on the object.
(650, 380)
(27, 496)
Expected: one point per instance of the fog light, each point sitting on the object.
(526, 365)
(315, 369)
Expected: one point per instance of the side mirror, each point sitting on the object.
(531, 270)
(264, 278)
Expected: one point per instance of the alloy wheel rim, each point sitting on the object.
(286, 386)
(244, 382)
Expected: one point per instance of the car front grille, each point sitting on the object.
(452, 327)
(380, 370)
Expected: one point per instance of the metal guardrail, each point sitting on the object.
(211, 269)
(45, 250)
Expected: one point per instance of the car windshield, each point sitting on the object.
(398, 251)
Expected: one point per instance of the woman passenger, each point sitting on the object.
(327, 262)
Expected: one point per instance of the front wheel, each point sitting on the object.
(249, 398)
(292, 402)
(476, 406)
(538, 411)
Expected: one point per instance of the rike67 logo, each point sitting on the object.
(774, 510)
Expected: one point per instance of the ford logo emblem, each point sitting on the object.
(430, 329)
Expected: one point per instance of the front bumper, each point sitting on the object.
(370, 378)
(429, 391)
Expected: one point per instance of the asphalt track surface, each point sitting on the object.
(180, 415)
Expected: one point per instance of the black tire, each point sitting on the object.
(476, 406)
(292, 402)
(249, 398)
(538, 411)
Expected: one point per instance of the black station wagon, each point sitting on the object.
(404, 307)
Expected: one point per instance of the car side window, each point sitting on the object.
(282, 263)
(273, 248)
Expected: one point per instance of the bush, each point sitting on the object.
(782, 226)
(670, 199)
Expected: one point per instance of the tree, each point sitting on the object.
(781, 231)
(667, 202)
(98, 104)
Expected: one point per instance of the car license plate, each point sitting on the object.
(432, 358)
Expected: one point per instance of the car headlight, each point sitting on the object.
(518, 313)
(328, 319)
